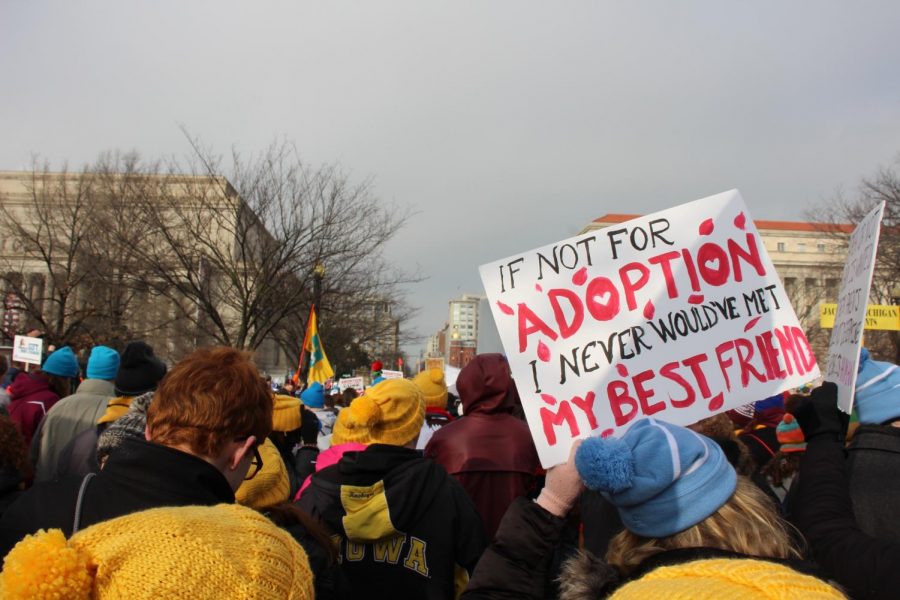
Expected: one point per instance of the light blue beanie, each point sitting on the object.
(61, 363)
(314, 396)
(103, 363)
(877, 390)
(662, 478)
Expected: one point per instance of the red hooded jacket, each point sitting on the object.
(30, 399)
(489, 451)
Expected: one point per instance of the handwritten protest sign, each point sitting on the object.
(391, 374)
(678, 314)
(843, 348)
(352, 382)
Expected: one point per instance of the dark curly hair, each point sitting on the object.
(12, 448)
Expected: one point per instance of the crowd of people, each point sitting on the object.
(130, 478)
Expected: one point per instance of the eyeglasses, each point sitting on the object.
(256, 464)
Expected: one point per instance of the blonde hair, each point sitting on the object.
(747, 524)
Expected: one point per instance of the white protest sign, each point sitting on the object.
(352, 382)
(391, 374)
(679, 314)
(843, 348)
(27, 349)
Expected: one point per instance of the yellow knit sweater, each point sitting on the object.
(735, 579)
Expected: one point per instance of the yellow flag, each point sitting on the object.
(319, 368)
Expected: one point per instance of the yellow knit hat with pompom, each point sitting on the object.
(736, 579)
(198, 552)
(391, 412)
(271, 485)
(44, 562)
(433, 386)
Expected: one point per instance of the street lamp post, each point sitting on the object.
(318, 275)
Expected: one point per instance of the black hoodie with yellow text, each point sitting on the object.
(406, 529)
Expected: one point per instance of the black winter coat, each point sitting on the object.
(874, 467)
(330, 581)
(518, 564)
(866, 566)
(11, 484)
(139, 475)
(305, 462)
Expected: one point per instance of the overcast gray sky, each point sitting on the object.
(505, 124)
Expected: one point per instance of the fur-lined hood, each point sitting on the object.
(586, 577)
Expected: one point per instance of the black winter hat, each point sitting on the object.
(139, 371)
(309, 425)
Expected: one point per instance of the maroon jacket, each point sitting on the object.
(30, 399)
(489, 451)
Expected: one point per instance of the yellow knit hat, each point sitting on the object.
(198, 552)
(391, 412)
(115, 408)
(286, 413)
(271, 485)
(736, 579)
(433, 386)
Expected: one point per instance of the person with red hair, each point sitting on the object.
(204, 425)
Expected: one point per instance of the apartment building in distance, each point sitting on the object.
(457, 341)
(808, 257)
(385, 344)
(436, 345)
(462, 330)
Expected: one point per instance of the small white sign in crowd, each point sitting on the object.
(356, 383)
(27, 349)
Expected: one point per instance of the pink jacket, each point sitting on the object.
(330, 457)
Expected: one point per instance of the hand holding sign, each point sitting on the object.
(679, 314)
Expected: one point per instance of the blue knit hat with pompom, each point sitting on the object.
(662, 478)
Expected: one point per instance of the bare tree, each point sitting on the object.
(202, 250)
(805, 300)
(884, 185)
(130, 309)
(238, 255)
(46, 231)
(356, 328)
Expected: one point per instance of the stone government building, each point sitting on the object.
(33, 199)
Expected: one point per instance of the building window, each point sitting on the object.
(801, 247)
(820, 247)
(810, 283)
(781, 246)
(831, 288)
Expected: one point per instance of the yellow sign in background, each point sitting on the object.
(438, 363)
(878, 317)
